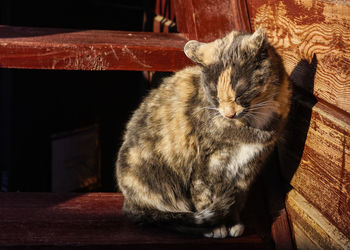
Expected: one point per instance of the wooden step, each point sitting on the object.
(53, 48)
(91, 221)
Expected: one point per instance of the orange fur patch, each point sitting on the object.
(227, 95)
(225, 91)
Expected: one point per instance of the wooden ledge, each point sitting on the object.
(52, 48)
(90, 221)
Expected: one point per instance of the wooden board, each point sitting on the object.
(312, 38)
(43, 48)
(91, 221)
(317, 163)
(207, 20)
(311, 229)
(304, 29)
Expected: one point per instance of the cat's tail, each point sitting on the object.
(187, 222)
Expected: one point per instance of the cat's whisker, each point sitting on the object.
(264, 103)
(259, 118)
(211, 108)
(254, 107)
(205, 108)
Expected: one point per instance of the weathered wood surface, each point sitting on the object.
(44, 48)
(315, 158)
(311, 229)
(280, 232)
(313, 39)
(207, 20)
(323, 173)
(301, 29)
(90, 221)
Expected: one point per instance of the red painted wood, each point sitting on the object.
(90, 220)
(281, 232)
(207, 20)
(185, 18)
(240, 15)
(204, 20)
(42, 48)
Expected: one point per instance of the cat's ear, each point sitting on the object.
(207, 53)
(255, 41)
(200, 53)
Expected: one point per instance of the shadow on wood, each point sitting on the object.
(291, 146)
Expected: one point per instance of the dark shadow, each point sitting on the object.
(292, 143)
(22, 31)
(73, 16)
(36, 104)
(267, 198)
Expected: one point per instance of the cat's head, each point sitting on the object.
(238, 75)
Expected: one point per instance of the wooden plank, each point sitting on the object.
(312, 38)
(43, 48)
(91, 221)
(281, 232)
(311, 229)
(304, 29)
(240, 16)
(204, 20)
(207, 20)
(318, 163)
(185, 18)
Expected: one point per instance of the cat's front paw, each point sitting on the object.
(220, 232)
(236, 230)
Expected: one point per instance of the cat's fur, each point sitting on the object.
(194, 146)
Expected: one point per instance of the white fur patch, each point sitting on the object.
(236, 230)
(245, 153)
(203, 215)
(219, 232)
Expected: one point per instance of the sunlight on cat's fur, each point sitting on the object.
(196, 143)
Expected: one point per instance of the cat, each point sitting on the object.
(195, 145)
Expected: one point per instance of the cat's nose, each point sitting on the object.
(228, 110)
(230, 115)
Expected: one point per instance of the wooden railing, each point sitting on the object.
(43, 48)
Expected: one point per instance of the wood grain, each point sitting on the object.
(313, 39)
(43, 48)
(320, 170)
(302, 29)
(311, 229)
(90, 221)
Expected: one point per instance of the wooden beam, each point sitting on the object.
(204, 20)
(91, 221)
(46, 48)
(240, 15)
(316, 159)
(311, 229)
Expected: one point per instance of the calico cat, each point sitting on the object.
(194, 146)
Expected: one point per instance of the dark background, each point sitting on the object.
(35, 104)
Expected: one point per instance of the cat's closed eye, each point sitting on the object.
(241, 87)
